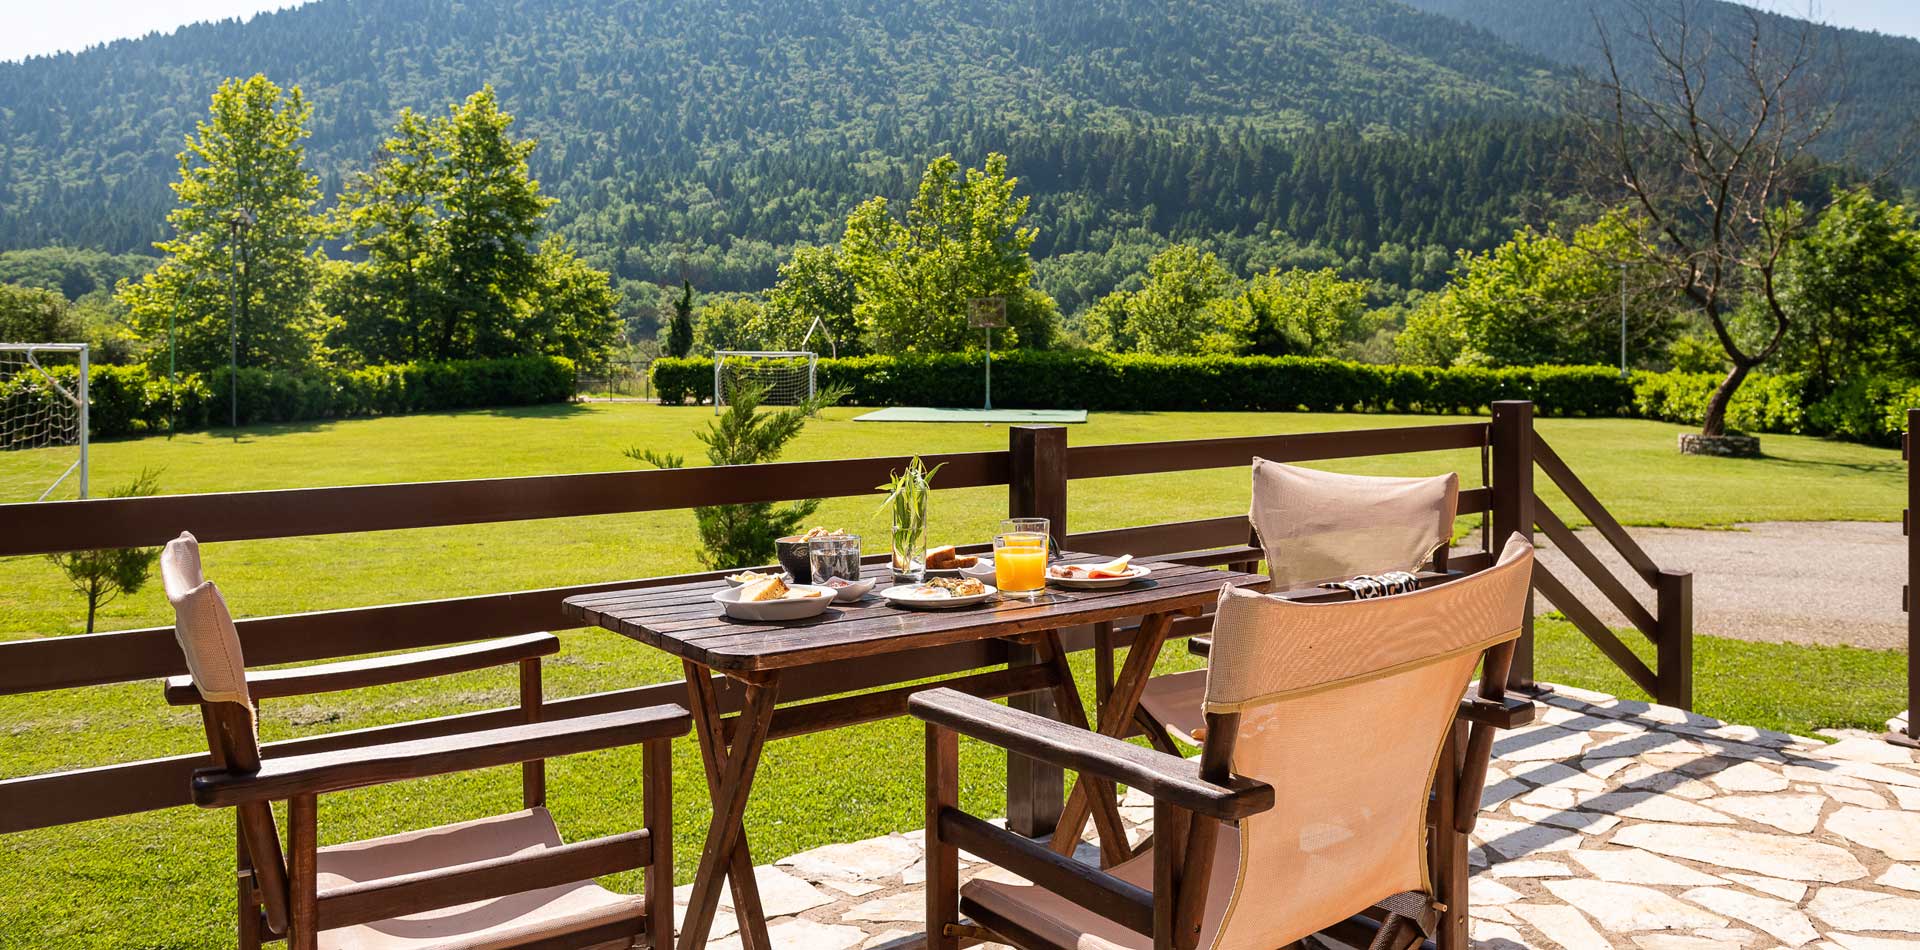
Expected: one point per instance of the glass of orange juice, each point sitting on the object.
(1020, 557)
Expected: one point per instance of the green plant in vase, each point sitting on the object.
(907, 493)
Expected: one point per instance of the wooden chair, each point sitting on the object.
(1349, 709)
(1316, 526)
(496, 882)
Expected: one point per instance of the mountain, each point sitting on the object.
(1875, 77)
(707, 134)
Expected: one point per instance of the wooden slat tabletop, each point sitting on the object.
(683, 620)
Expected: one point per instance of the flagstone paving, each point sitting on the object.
(1606, 824)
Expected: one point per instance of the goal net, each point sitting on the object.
(787, 377)
(43, 420)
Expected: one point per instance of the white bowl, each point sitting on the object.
(786, 608)
(981, 571)
(853, 591)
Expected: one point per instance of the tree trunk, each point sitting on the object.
(1715, 422)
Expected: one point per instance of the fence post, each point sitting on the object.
(1908, 446)
(1512, 435)
(1673, 651)
(1036, 488)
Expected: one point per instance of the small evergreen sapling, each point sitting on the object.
(101, 576)
(743, 535)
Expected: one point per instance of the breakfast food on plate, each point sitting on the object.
(1118, 567)
(819, 532)
(748, 577)
(945, 559)
(960, 586)
(766, 588)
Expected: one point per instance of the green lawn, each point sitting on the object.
(160, 880)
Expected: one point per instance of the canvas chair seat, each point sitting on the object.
(1174, 701)
(481, 925)
(1068, 924)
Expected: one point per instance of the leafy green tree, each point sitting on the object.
(961, 238)
(1295, 313)
(573, 310)
(1852, 282)
(729, 323)
(743, 535)
(1434, 334)
(1541, 299)
(101, 576)
(32, 315)
(1179, 310)
(680, 332)
(813, 285)
(245, 230)
(492, 209)
(392, 214)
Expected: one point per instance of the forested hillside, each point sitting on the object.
(703, 136)
(1875, 78)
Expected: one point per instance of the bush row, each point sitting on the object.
(132, 400)
(1132, 382)
(1866, 410)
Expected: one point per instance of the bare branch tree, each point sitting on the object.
(1710, 146)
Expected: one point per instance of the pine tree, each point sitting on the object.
(680, 331)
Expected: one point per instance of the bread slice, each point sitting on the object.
(767, 588)
(941, 558)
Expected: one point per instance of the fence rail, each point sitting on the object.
(1910, 736)
(1036, 468)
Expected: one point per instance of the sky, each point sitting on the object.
(29, 27)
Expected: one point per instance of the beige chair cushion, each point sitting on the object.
(481, 925)
(1070, 925)
(202, 625)
(1175, 701)
(1320, 526)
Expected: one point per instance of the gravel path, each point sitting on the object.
(1795, 582)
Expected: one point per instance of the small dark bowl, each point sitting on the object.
(792, 553)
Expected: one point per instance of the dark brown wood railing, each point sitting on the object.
(1911, 736)
(1036, 469)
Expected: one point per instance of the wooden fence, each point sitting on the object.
(1911, 735)
(1036, 468)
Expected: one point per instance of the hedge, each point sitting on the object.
(1867, 410)
(1081, 380)
(131, 400)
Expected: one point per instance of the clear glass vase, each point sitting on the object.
(910, 540)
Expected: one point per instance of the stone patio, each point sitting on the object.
(1608, 823)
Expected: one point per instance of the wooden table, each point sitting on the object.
(684, 621)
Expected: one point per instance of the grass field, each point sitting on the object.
(160, 880)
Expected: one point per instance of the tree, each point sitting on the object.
(101, 576)
(446, 219)
(680, 331)
(1177, 311)
(813, 285)
(1295, 313)
(961, 238)
(729, 323)
(1852, 283)
(242, 256)
(31, 315)
(743, 535)
(1711, 149)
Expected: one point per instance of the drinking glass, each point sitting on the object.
(831, 557)
(1020, 557)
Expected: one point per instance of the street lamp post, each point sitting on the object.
(1623, 321)
(237, 226)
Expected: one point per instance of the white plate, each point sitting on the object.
(853, 591)
(786, 608)
(1134, 573)
(901, 595)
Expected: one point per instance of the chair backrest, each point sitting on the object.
(1344, 708)
(203, 626)
(1320, 526)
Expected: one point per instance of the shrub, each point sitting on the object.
(130, 400)
(1143, 382)
(1762, 404)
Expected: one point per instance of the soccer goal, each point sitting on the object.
(787, 377)
(43, 411)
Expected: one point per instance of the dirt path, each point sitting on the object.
(1798, 582)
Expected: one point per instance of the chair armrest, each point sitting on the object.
(1167, 778)
(417, 758)
(379, 670)
(1510, 712)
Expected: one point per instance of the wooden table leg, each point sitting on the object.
(1106, 809)
(730, 772)
(1115, 715)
